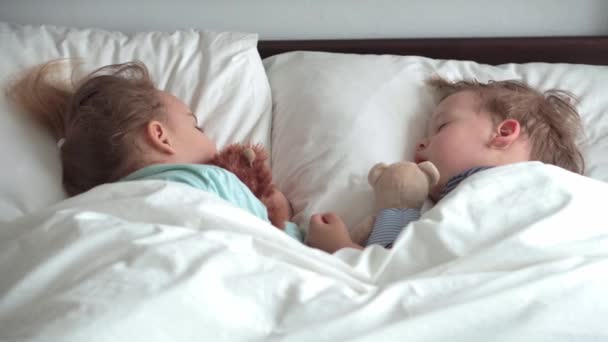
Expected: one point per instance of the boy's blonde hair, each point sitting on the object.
(96, 117)
(549, 119)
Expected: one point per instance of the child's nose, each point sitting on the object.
(421, 145)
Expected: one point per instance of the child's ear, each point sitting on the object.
(159, 138)
(505, 134)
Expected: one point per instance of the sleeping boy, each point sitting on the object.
(474, 127)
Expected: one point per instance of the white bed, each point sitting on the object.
(511, 256)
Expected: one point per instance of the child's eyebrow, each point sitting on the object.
(436, 117)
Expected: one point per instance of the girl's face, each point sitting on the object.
(191, 144)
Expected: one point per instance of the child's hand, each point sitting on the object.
(328, 233)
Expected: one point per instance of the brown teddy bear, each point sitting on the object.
(248, 163)
(399, 185)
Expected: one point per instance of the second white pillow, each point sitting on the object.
(336, 115)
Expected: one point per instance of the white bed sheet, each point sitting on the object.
(160, 261)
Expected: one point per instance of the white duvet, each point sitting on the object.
(516, 253)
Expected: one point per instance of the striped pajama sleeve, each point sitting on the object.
(389, 224)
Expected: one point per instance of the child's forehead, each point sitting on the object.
(173, 105)
(465, 100)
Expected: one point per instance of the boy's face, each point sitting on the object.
(458, 137)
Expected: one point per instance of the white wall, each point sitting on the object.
(304, 19)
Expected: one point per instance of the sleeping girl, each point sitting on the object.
(115, 125)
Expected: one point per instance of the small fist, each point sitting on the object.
(328, 233)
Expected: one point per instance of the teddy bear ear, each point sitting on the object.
(431, 172)
(375, 173)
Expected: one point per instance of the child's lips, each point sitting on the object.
(418, 158)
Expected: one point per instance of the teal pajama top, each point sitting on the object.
(213, 179)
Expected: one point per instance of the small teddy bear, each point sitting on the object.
(398, 185)
(248, 163)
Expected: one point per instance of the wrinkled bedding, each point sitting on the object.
(516, 253)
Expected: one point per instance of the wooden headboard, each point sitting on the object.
(580, 50)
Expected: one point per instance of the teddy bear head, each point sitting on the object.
(402, 184)
(248, 163)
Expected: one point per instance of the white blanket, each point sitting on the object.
(516, 253)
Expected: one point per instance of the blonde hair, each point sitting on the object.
(548, 118)
(96, 118)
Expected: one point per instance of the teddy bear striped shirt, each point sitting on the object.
(390, 222)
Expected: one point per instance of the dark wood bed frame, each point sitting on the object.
(580, 50)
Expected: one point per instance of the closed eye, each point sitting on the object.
(441, 126)
(196, 122)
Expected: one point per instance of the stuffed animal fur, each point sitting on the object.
(248, 163)
(399, 185)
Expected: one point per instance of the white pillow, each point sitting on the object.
(336, 115)
(218, 74)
